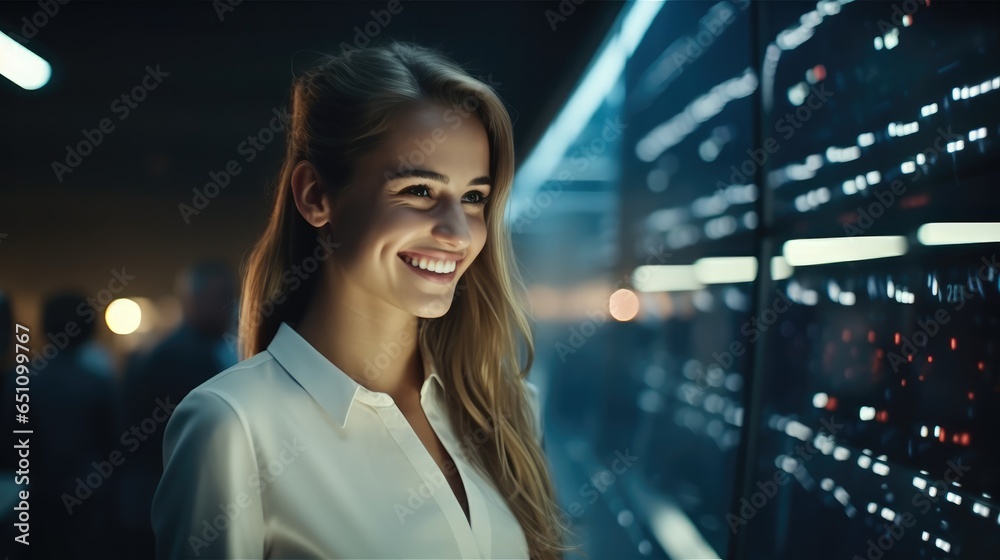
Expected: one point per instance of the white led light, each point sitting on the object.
(903, 129)
(866, 139)
(21, 66)
(798, 430)
(866, 413)
(840, 155)
(919, 482)
(927, 110)
(665, 278)
(807, 252)
(725, 270)
(958, 233)
(842, 496)
(881, 469)
(780, 269)
(891, 39)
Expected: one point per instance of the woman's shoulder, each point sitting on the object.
(244, 384)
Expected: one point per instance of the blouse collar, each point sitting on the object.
(333, 389)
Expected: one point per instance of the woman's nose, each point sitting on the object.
(451, 224)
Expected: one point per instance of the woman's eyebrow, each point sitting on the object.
(432, 176)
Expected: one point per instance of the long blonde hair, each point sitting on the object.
(340, 108)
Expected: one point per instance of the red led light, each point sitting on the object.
(896, 338)
(831, 403)
(882, 416)
(871, 336)
(971, 395)
(982, 366)
(819, 72)
(930, 359)
(954, 343)
(902, 382)
(941, 437)
(965, 438)
(921, 377)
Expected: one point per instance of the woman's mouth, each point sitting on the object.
(441, 271)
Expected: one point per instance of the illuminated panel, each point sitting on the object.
(879, 418)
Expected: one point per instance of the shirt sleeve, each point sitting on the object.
(208, 502)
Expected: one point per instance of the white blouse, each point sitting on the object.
(283, 455)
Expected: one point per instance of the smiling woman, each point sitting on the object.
(393, 367)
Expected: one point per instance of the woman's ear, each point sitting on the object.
(310, 195)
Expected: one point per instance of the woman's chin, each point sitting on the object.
(432, 309)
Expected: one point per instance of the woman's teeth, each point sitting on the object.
(441, 267)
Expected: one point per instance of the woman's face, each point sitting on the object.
(416, 198)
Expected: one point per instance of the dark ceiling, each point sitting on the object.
(119, 206)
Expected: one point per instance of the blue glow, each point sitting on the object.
(593, 89)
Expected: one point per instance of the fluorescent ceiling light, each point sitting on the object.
(780, 269)
(958, 233)
(725, 270)
(665, 278)
(22, 66)
(808, 252)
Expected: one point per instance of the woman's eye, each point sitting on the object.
(480, 198)
(417, 188)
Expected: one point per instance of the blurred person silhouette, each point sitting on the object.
(158, 378)
(72, 416)
(97, 358)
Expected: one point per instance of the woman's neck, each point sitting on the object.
(371, 341)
